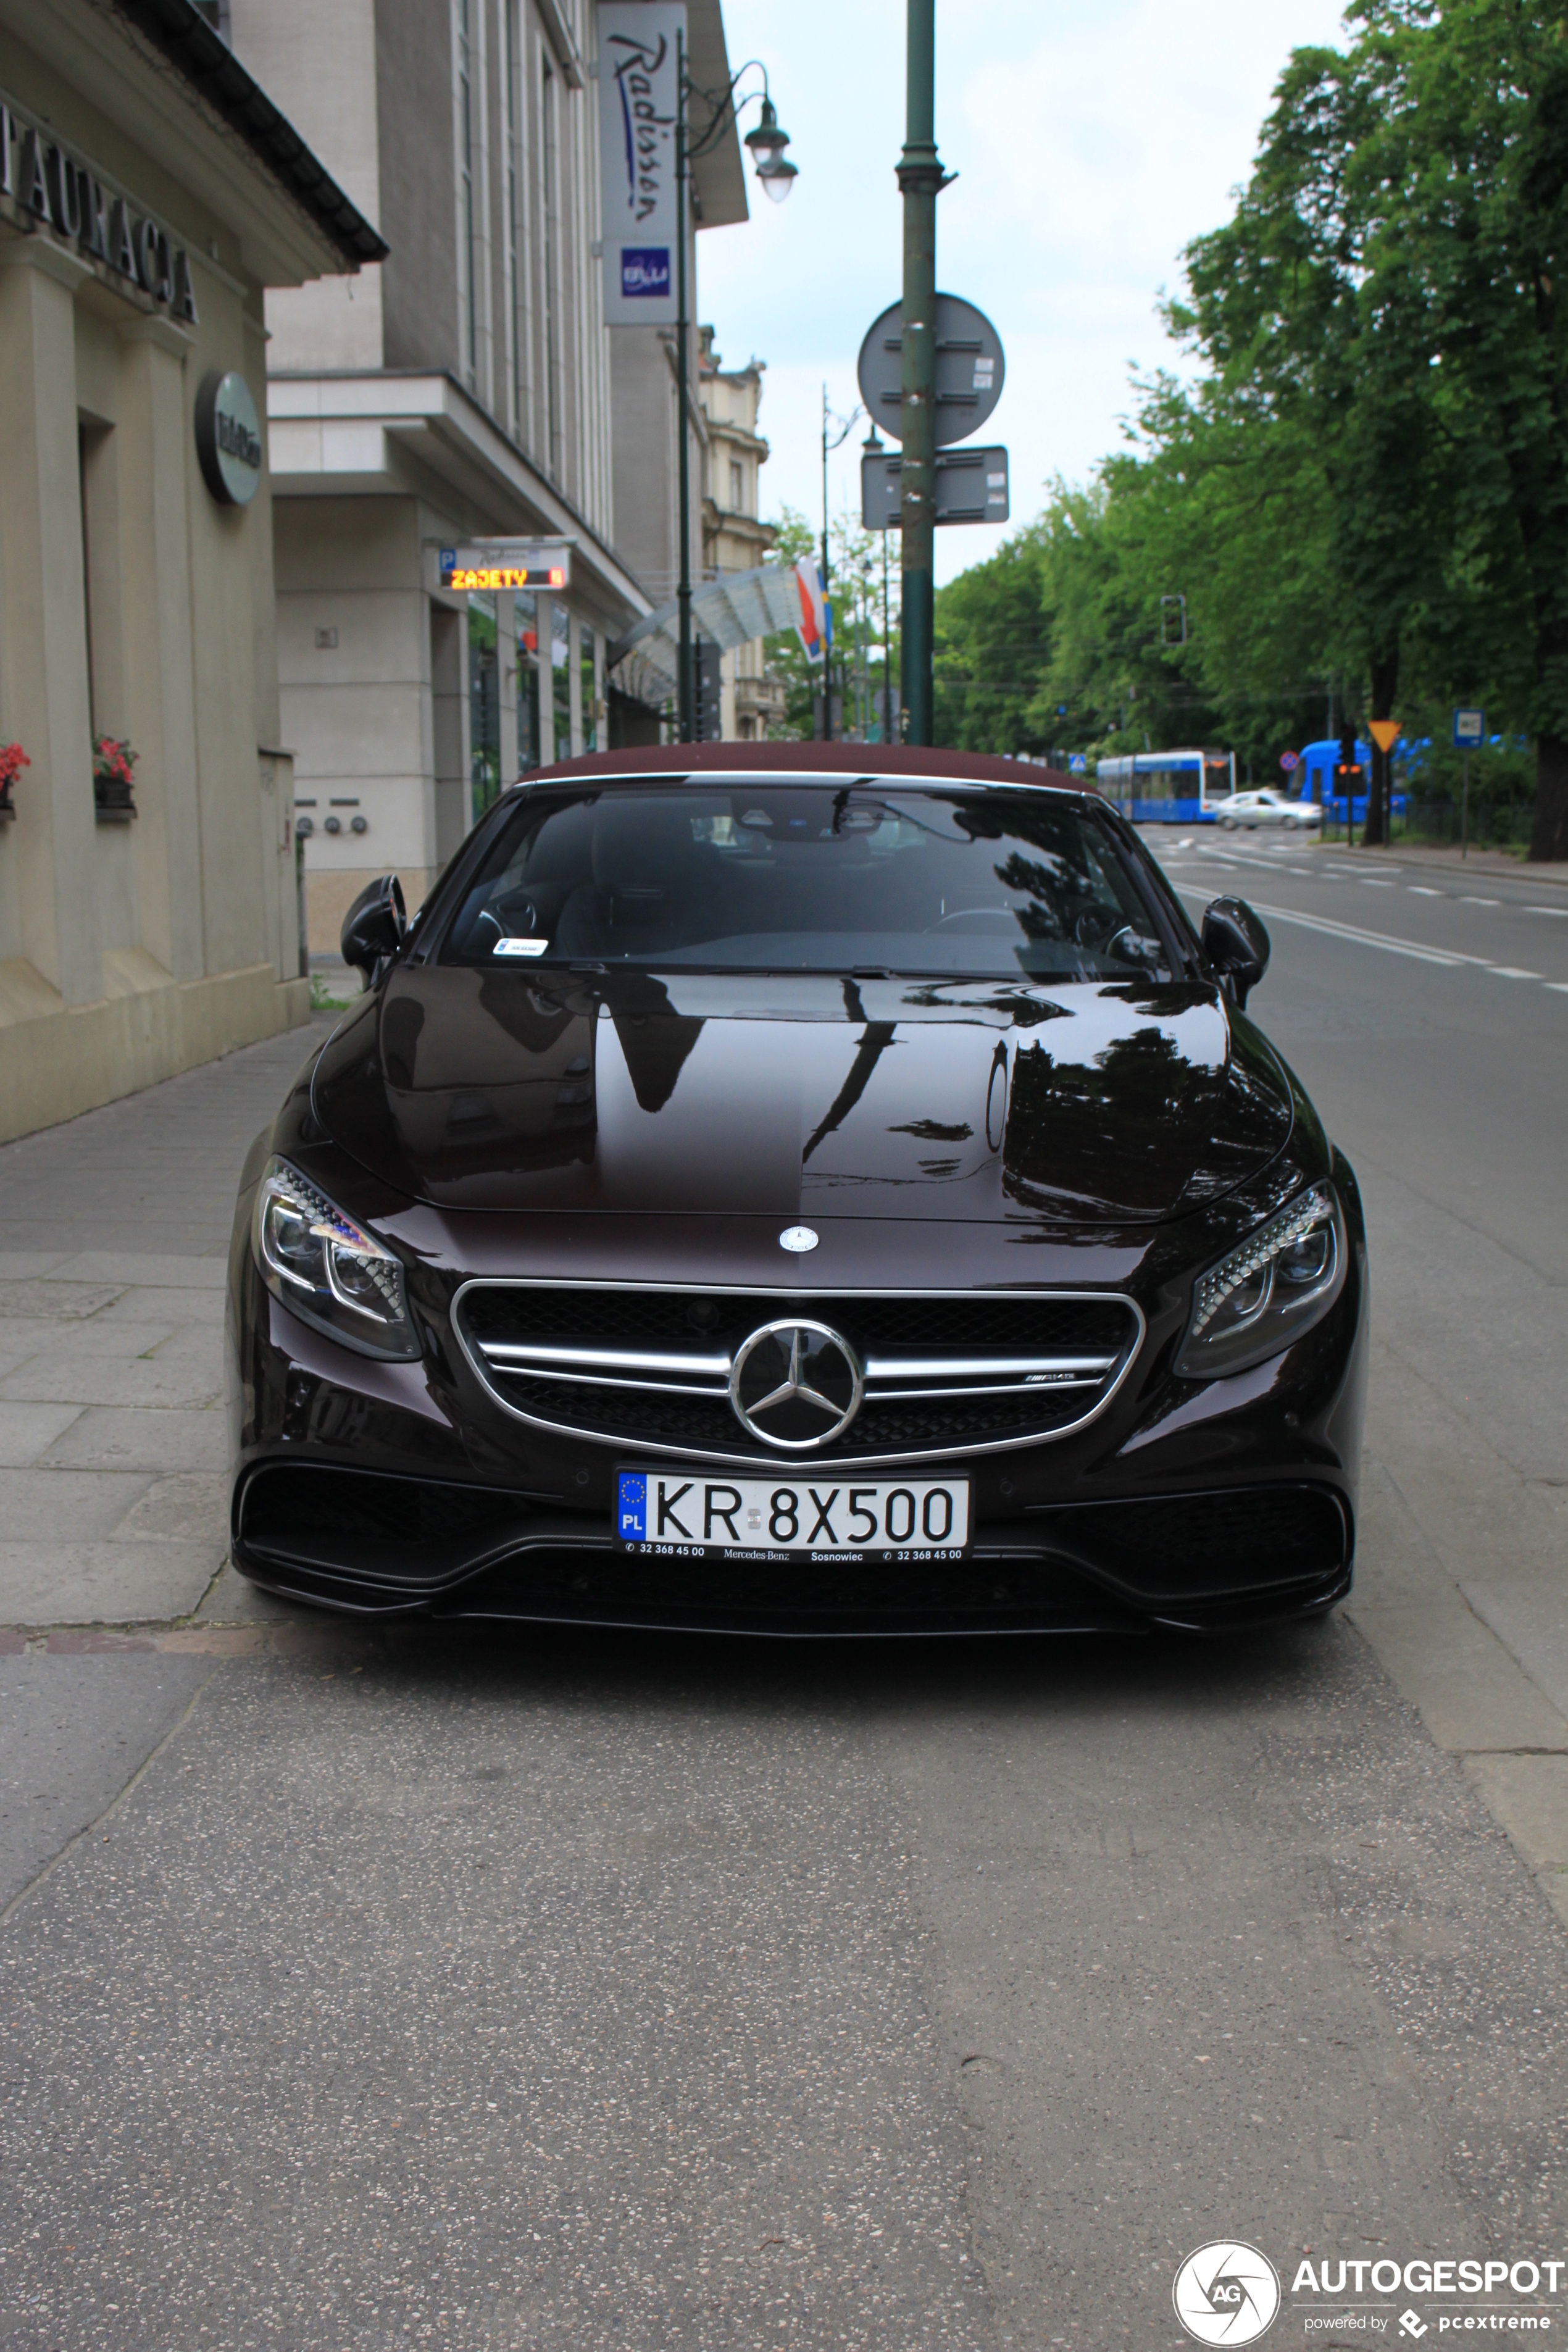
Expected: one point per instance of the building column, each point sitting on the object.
(44, 696)
(449, 726)
(601, 707)
(506, 673)
(155, 629)
(574, 682)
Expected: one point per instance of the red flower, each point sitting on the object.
(12, 759)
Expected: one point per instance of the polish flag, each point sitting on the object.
(813, 622)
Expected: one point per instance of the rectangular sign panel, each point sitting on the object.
(506, 564)
(970, 487)
(639, 94)
(1469, 730)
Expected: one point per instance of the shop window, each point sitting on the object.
(585, 675)
(559, 651)
(484, 707)
(528, 750)
(100, 551)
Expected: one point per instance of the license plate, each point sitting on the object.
(706, 1515)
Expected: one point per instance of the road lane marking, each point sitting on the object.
(1562, 911)
(1422, 891)
(1374, 882)
(1452, 957)
(1480, 902)
(1364, 938)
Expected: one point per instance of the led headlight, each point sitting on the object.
(326, 1268)
(1270, 1289)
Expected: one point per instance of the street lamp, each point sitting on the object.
(767, 143)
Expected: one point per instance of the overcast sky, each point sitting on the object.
(1092, 140)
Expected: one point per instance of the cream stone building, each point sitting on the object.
(733, 540)
(150, 193)
(467, 389)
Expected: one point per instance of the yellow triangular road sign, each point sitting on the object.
(1383, 732)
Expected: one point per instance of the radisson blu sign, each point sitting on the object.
(639, 93)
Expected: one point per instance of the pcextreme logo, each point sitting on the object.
(1226, 2293)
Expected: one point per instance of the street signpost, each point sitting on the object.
(970, 367)
(970, 487)
(1469, 734)
(1290, 762)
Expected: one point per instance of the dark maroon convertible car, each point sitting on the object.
(800, 1189)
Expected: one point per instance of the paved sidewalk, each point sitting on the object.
(113, 1235)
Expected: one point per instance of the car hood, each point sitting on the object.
(1111, 1103)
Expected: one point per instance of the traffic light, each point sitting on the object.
(707, 723)
(1348, 772)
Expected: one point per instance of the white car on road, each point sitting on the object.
(1267, 807)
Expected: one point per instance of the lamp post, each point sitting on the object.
(921, 180)
(847, 426)
(767, 143)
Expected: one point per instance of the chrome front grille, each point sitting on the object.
(648, 1368)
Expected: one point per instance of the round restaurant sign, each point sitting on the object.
(228, 438)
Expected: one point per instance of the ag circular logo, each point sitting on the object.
(796, 1386)
(228, 438)
(1226, 2293)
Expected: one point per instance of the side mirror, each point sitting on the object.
(1235, 947)
(374, 927)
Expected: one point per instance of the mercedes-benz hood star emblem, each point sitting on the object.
(796, 1386)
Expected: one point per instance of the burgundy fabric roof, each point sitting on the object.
(810, 759)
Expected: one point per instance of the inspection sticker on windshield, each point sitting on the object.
(708, 1514)
(520, 947)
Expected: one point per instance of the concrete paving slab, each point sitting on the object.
(192, 1343)
(72, 1733)
(108, 1584)
(108, 1380)
(146, 1268)
(1529, 1795)
(156, 1303)
(192, 1505)
(22, 1266)
(27, 1431)
(70, 1505)
(95, 1337)
(41, 1298)
(1529, 1612)
(112, 1437)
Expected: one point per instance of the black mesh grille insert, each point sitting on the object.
(1189, 1546)
(882, 1326)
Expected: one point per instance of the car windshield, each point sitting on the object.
(783, 875)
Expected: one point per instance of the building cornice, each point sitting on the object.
(337, 432)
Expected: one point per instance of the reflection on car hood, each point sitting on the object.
(1108, 1103)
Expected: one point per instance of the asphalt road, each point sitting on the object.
(368, 1992)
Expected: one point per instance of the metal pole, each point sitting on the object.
(1465, 817)
(887, 653)
(827, 651)
(920, 180)
(684, 696)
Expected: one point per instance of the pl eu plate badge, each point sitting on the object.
(631, 1504)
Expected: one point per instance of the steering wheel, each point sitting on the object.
(986, 920)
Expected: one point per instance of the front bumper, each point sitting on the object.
(391, 1488)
